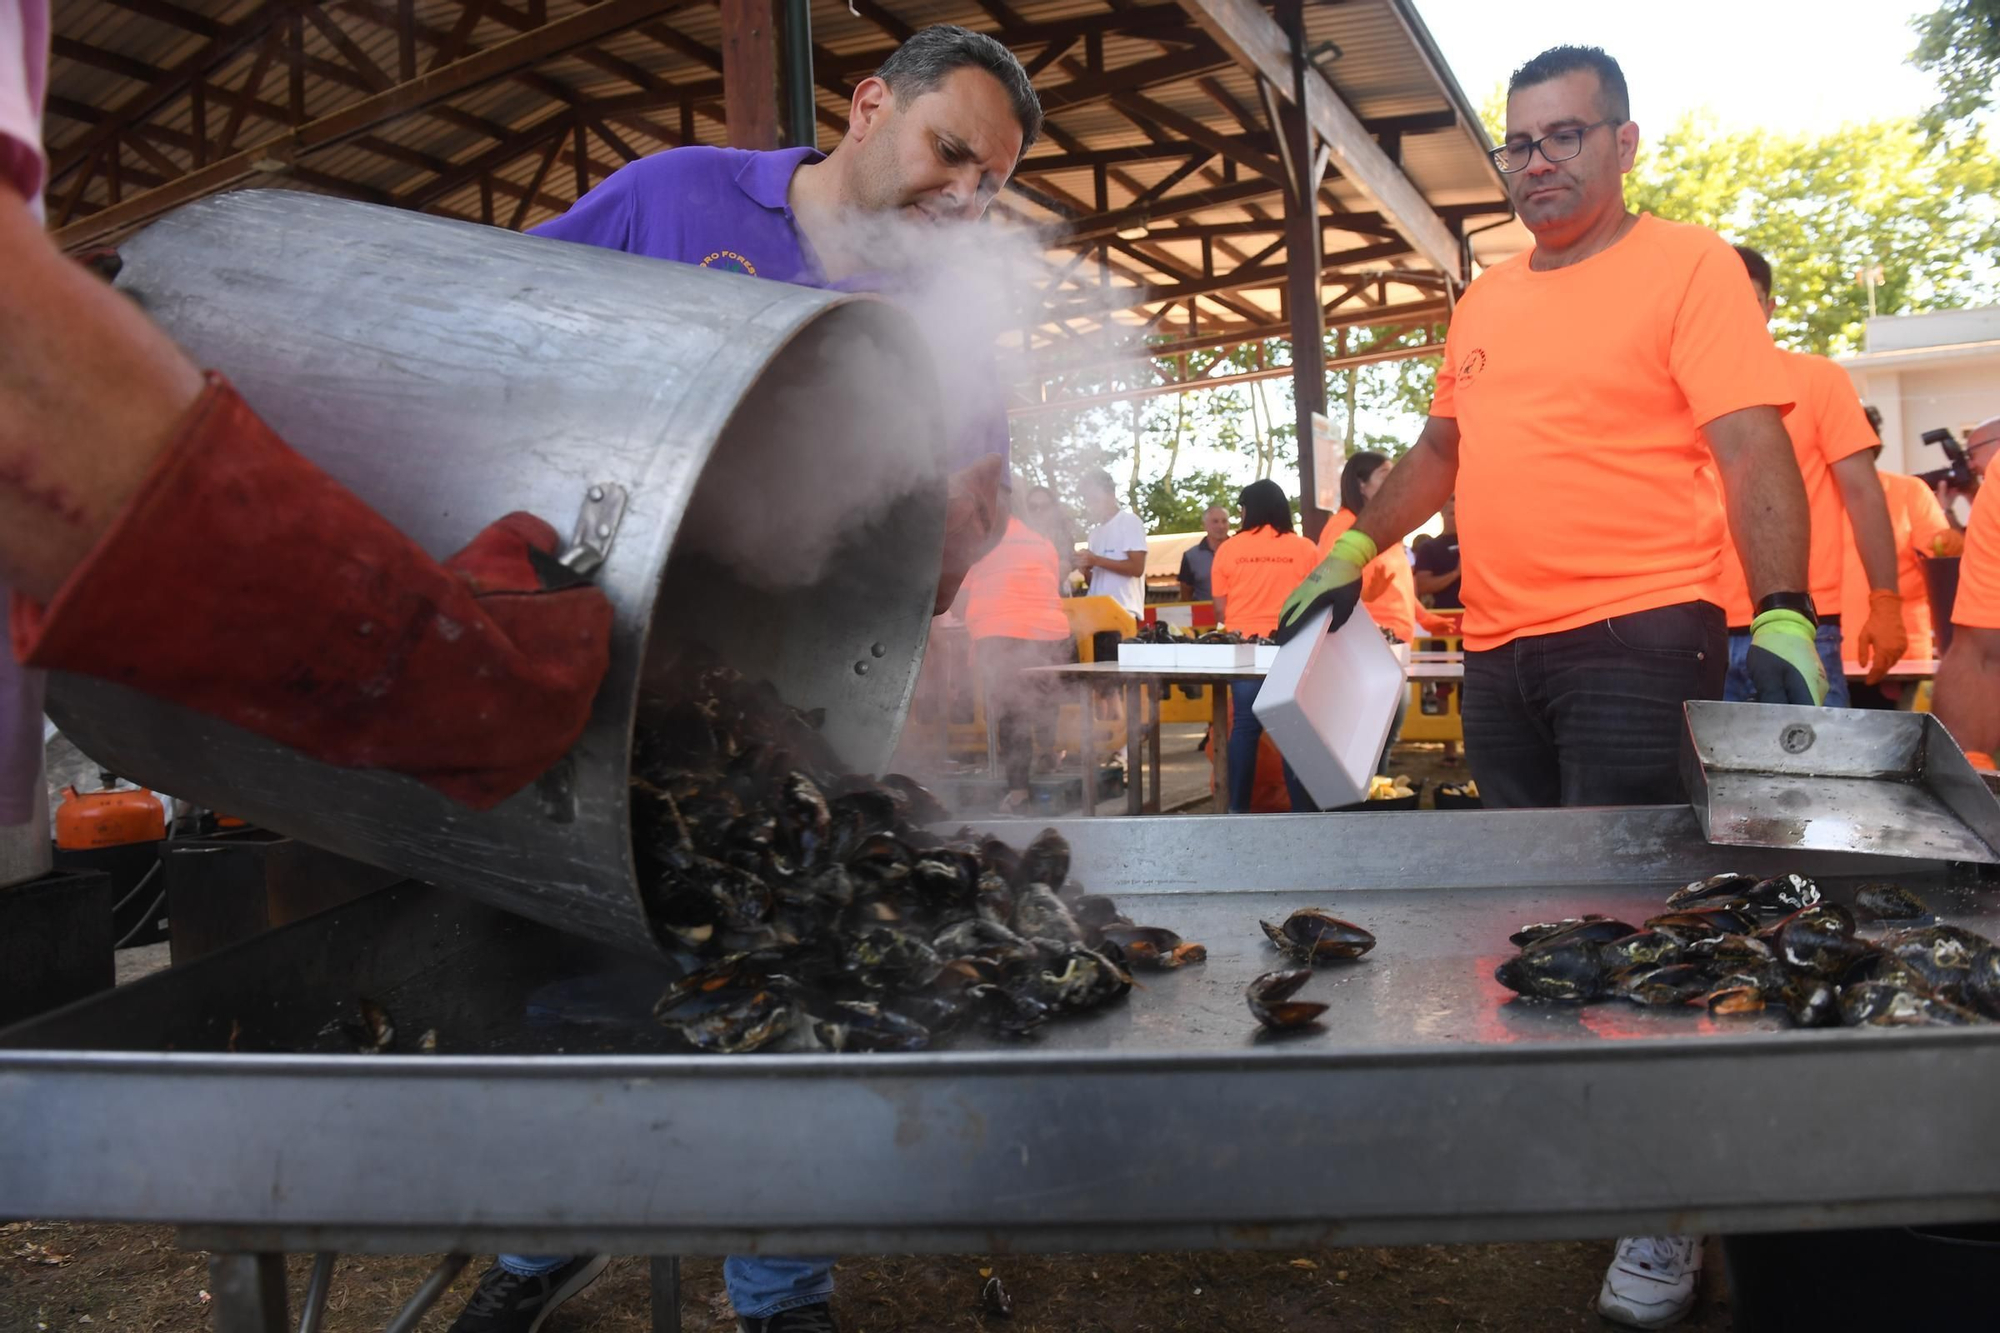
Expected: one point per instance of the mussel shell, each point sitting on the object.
(861, 1025)
(1889, 902)
(1811, 1003)
(1695, 926)
(1040, 915)
(1736, 999)
(1783, 893)
(1153, 946)
(1727, 885)
(918, 804)
(1269, 998)
(1649, 947)
(1880, 1004)
(1941, 954)
(1079, 980)
(1568, 971)
(1313, 935)
(1046, 861)
(1982, 988)
(1009, 1013)
(1675, 983)
(737, 1022)
(1543, 930)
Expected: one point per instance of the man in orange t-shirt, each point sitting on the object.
(1831, 437)
(1921, 532)
(1254, 572)
(1591, 394)
(1014, 614)
(1968, 680)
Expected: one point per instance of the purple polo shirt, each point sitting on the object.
(726, 209)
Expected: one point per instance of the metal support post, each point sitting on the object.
(1304, 165)
(249, 1292)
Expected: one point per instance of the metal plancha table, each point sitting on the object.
(1431, 1106)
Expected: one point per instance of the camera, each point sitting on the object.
(1958, 472)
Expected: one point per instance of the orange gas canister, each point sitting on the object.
(109, 818)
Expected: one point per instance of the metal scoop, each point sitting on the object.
(1836, 779)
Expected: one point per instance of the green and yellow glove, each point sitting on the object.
(1335, 583)
(1784, 661)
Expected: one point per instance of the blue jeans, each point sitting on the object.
(1736, 688)
(1244, 733)
(759, 1286)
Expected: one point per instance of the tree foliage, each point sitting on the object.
(1822, 208)
(1958, 44)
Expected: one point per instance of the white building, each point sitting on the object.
(1926, 371)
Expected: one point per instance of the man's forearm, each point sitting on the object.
(1968, 689)
(1868, 512)
(1768, 515)
(1429, 582)
(1418, 486)
(90, 391)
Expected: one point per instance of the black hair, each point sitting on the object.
(1760, 267)
(1355, 475)
(1613, 101)
(1265, 505)
(921, 63)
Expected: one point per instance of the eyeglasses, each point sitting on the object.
(1556, 146)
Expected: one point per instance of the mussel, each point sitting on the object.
(1315, 936)
(1567, 970)
(861, 1025)
(1727, 885)
(1599, 927)
(1888, 902)
(1675, 983)
(1271, 1003)
(1154, 946)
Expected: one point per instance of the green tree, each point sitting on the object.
(1959, 45)
(1177, 504)
(1823, 208)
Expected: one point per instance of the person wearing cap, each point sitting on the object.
(932, 137)
(1982, 446)
(1198, 559)
(1832, 440)
(1254, 572)
(1015, 619)
(1967, 693)
(297, 611)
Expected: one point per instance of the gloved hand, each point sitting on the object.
(243, 582)
(1882, 642)
(1784, 661)
(1335, 583)
(974, 519)
(1948, 544)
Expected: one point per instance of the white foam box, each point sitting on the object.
(1328, 700)
(1266, 655)
(1215, 656)
(1147, 654)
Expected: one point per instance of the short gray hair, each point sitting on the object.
(920, 64)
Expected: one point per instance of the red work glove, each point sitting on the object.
(1883, 640)
(243, 582)
(1948, 544)
(974, 518)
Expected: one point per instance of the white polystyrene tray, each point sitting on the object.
(1147, 654)
(1265, 655)
(1214, 656)
(1328, 701)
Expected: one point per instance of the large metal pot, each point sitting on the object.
(449, 373)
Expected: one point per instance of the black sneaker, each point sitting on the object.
(506, 1302)
(804, 1319)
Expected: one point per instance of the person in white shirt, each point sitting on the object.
(1115, 555)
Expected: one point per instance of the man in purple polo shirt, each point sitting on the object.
(932, 137)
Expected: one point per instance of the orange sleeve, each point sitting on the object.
(1722, 356)
(1444, 396)
(1218, 572)
(1927, 520)
(1843, 426)
(1978, 604)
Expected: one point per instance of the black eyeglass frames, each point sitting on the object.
(1556, 146)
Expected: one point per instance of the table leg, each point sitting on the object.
(249, 1292)
(1154, 694)
(1087, 742)
(1218, 742)
(666, 1293)
(1135, 776)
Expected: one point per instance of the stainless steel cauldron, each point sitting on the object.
(449, 373)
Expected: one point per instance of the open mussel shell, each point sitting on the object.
(1154, 947)
(1269, 998)
(1313, 935)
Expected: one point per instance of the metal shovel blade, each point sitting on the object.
(1837, 780)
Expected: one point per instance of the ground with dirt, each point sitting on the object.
(64, 1277)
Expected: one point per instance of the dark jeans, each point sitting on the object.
(1018, 704)
(1592, 715)
(1245, 731)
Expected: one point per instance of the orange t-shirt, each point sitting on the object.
(1255, 571)
(1916, 519)
(1826, 425)
(1395, 607)
(1011, 592)
(1584, 481)
(1978, 604)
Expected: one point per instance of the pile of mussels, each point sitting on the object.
(815, 899)
(1718, 944)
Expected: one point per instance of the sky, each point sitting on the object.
(1793, 65)
(1777, 64)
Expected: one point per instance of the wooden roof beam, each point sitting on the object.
(1260, 46)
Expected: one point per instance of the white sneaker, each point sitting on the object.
(1651, 1281)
